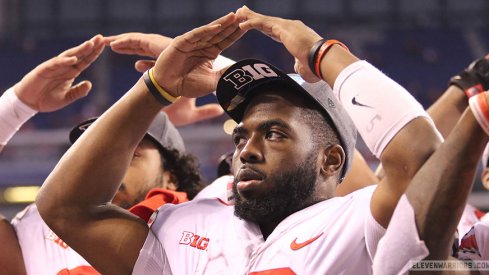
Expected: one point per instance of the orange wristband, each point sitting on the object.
(322, 52)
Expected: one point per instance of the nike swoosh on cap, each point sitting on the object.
(296, 246)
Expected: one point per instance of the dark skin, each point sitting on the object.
(271, 138)
(11, 259)
(100, 226)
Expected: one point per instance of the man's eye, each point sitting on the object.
(274, 135)
(237, 140)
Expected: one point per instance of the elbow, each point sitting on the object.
(51, 209)
(408, 151)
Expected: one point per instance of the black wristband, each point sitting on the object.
(154, 91)
(311, 57)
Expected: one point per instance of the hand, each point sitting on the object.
(184, 68)
(184, 111)
(143, 44)
(48, 87)
(296, 37)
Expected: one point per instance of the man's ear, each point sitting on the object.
(171, 181)
(333, 159)
(485, 177)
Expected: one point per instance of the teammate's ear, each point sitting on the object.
(170, 181)
(332, 160)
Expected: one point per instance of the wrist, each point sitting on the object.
(13, 114)
(468, 82)
(318, 53)
(158, 92)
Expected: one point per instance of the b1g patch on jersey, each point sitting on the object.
(51, 236)
(194, 240)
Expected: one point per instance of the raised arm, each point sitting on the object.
(436, 198)
(74, 200)
(394, 126)
(448, 109)
(48, 87)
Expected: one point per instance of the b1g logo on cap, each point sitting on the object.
(245, 75)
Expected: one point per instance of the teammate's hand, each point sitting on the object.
(48, 87)
(295, 35)
(184, 68)
(474, 79)
(184, 111)
(143, 44)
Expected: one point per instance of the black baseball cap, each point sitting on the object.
(161, 131)
(239, 82)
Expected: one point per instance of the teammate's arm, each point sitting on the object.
(438, 193)
(11, 259)
(436, 197)
(47, 88)
(75, 199)
(448, 109)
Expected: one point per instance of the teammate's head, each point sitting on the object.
(224, 164)
(159, 161)
(290, 141)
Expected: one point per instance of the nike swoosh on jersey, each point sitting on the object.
(296, 246)
(355, 102)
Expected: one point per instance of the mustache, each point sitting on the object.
(248, 171)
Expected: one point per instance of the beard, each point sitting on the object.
(292, 190)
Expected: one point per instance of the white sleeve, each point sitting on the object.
(152, 258)
(402, 240)
(13, 114)
(373, 233)
(378, 106)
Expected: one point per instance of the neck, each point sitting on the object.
(267, 228)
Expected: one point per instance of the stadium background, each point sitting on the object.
(418, 43)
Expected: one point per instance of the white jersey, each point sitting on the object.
(220, 188)
(473, 245)
(336, 236)
(42, 250)
(470, 216)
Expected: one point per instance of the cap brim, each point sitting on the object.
(78, 130)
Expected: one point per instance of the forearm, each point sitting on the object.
(446, 111)
(335, 61)
(439, 191)
(90, 172)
